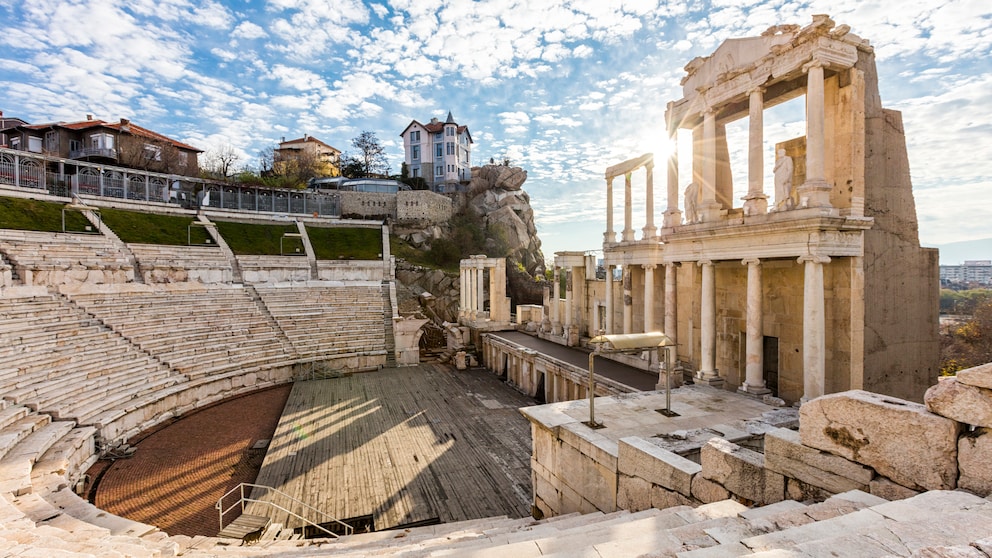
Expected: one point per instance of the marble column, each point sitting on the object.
(707, 324)
(671, 298)
(709, 208)
(673, 217)
(649, 297)
(650, 231)
(555, 297)
(569, 298)
(628, 210)
(480, 304)
(628, 301)
(755, 202)
(462, 292)
(609, 235)
(814, 327)
(754, 382)
(815, 192)
(608, 325)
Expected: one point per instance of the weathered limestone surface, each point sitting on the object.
(640, 458)
(979, 376)
(741, 471)
(899, 439)
(961, 402)
(975, 461)
(785, 454)
(885, 488)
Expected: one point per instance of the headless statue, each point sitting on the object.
(691, 199)
(783, 181)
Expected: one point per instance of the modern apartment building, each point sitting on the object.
(439, 152)
(323, 159)
(971, 271)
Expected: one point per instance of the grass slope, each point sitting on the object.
(35, 215)
(339, 243)
(151, 228)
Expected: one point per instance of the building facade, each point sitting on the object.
(321, 158)
(971, 271)
(439, 152)
(120, 143)
(823, 287)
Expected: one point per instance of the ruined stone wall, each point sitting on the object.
(367, 205)
(423, 206)
(854, 440)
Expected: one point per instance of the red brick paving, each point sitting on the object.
(180, 470)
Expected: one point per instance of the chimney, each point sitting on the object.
(125, 125)
(89, 117)
(306, 137)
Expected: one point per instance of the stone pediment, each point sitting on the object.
(730, 58)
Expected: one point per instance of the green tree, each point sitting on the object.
(968, 344)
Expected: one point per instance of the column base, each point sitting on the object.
(814, 193)
(628, 235)
(649, 233)
(711, 379)
(753, 390)
(710, 212)
(609, 237)
(756, 204)
(673, 218)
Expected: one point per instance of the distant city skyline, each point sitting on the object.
(563, 89)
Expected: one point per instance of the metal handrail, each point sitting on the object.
(219, 506)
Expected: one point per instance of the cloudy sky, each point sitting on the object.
(562, 88)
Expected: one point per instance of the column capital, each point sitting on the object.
(815, 258)
(750, 261)
(702, 263)
(757, 89)
(649, 266)
(814, 63)
(673, 264)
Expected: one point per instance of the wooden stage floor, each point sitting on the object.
(404, 445)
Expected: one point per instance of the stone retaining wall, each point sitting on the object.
(854, 440)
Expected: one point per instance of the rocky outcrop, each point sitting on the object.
(495, 197)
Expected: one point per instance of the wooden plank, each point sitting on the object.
(403, 445)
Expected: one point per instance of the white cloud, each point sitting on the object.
(248, 30)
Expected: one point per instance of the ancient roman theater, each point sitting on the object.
(757, 378)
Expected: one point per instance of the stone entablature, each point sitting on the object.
(853, 440)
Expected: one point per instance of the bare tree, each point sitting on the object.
(153, 154)
(220, 160)
(369, 158)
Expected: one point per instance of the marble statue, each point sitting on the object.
(783, 181)
(691, 199)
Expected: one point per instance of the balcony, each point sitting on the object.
(93, 152)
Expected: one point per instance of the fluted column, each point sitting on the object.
(462, 291)
(608, 325)
(815, 192)
(754, 360)
(628, 208)
(671, 300)
(649, 297)
(650, 231)
(609, 235)
(755, 202)
(628, 301)
(814, 327)
(707, 324)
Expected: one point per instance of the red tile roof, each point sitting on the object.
(127, 128)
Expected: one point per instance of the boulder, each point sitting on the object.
(974, 449)
(979, 376)
(961, 402)
(899, 439)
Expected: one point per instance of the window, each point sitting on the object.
(415, 136)
(450, 130)
(34, 144)
(51, 141)
(15, 143)
(415, 172)
(415, 152)
(182, 158)
(438, 136)
(451, 168)
(451, 147)
(102, 141)
(75, 145)
(439, 150)
(439, 170)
